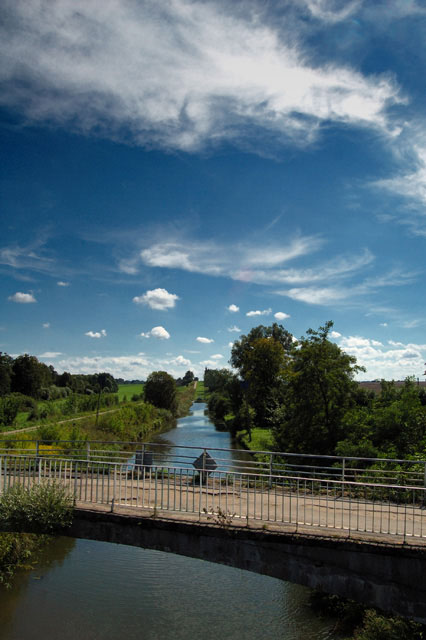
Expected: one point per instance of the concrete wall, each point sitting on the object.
(391, 577)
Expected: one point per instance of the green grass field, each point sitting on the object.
(128, 390)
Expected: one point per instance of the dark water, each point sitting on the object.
(99, 591)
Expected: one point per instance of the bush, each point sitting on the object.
(9, 408)
(49, 433)
(45, 508)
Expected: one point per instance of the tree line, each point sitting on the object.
(304, 391)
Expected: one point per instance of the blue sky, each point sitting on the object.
(175, 173)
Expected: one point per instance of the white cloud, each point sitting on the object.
(46, 325)
(96, 334)
(331, 11)
(395, 361)
(230, 345)
(159, 299)
(61, 283)
(216, 356)
(265, 312)
(156, 332)
(50, 354)
(233, 308)
(280, 315)
(179, 74)
(22, 298)
(211, 363)
(204, 340)
(127, 367)
(234, 328)
(383, 324)
(335, 335)
(179, 361)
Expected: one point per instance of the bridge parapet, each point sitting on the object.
(387, 510)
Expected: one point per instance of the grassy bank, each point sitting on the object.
(261, 440)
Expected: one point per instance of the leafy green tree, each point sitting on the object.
(243, 347)
(261, 358)
(160, 390)
(320, 389)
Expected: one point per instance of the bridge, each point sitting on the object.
(346, 526)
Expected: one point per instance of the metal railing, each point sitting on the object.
(230, 495)
(350, 469)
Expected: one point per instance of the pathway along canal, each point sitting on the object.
(100, 591)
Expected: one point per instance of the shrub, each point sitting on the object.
(45, 508)
(48, 433)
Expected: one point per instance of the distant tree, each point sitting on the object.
(188, 378)
(64, 380)
(30, 375)
(6, 371)
(160, 390)
(320, 389)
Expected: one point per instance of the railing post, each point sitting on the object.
(424, 476)
(114, 489)
(271, 462)
(87, 450)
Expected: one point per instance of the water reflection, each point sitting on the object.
(196, 430)
(105, 591)
(50, 557)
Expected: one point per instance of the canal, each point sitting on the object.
(100, 591)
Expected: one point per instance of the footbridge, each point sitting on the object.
(354, 527)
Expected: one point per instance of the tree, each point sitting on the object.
(6, 362)
(319, 391)
(30, 375)
(242, 347)
(188, 378)
(160, 390)
(261, 358)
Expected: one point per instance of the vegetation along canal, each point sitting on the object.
(103, 591)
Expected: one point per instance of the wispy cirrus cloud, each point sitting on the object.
(332, 295)
(246, 261)
(178, 74)
(410, 184)
(332, 11)
(33, 257)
